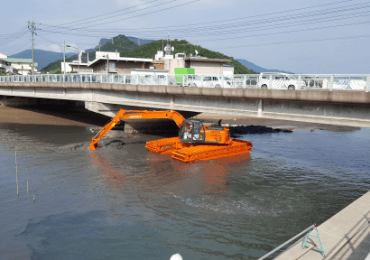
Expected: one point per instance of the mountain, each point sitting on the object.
(142, 41)
(42, 57)
(119, 43)
(150, 49)
(256, 68)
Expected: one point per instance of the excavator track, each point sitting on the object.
(209, 152)
(162, 146)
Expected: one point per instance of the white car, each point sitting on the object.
(209, 81)
(279, 81)
(346, 84)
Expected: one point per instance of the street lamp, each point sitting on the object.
(78, 56)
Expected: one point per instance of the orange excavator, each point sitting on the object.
(196, 141)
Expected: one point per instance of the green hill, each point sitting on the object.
(120, 43)
(150, 49)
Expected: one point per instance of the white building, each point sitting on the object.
(15, 66)
(81, 65)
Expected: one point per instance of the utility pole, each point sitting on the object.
(64, 57)
(32, 28)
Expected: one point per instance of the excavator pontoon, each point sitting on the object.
(196, 141)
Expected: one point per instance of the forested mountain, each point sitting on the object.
(118, 43)
(128, 48)
(42, 57)
(256, 68)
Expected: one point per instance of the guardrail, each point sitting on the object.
(359, 82)
(310, 246)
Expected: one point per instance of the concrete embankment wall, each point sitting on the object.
(346, 235)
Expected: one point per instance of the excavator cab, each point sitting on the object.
(192, 131)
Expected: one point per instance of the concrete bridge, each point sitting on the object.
(349, 108)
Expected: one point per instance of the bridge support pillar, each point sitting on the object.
(165, 127)
(172, 102)
(260, 108)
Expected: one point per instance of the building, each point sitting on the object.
(15, 66)
(164, 62)
(202, 65)
(228, 70)
(121, 65)
(23, 66)
(81, 65)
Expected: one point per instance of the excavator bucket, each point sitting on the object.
(93, 145)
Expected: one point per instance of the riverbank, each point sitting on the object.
(50, 116)
(74, 117)
(344, 236)
(281, 124)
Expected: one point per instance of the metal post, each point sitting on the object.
(201, 81)
(368, 83)
(270, 82)
(331, 82)
(107, 64)
(64, 57)
(244, 83)
(299, 82)
(287, 242)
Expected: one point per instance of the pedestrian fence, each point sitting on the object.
(358, 82)
(307, 243)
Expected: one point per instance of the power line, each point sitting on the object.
(221, 21)
(124, 9)
(132, 16)
(305, 41)
(282, 18)
(268, 28)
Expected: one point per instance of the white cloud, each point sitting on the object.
(49, 47)
(138, 3)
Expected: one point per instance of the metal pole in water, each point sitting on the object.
(28, 190)
(16, 171)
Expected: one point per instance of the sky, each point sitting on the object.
(312, 36)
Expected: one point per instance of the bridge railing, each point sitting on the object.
(359, 82)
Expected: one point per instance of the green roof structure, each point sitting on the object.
(15, 60)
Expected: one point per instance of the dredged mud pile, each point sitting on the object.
(255, 129)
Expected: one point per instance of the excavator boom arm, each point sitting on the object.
(135, 114)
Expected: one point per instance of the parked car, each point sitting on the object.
(209, 81)
(279, 81)
(346, 84)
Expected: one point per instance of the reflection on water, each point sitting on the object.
(122, 201)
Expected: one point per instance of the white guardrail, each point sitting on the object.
(358, 82)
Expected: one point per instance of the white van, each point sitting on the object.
(279, 81)
(210, 81)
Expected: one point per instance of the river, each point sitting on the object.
(123, 202)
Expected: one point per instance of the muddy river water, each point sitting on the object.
(123, 202)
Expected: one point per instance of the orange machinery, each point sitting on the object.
(195, 142)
